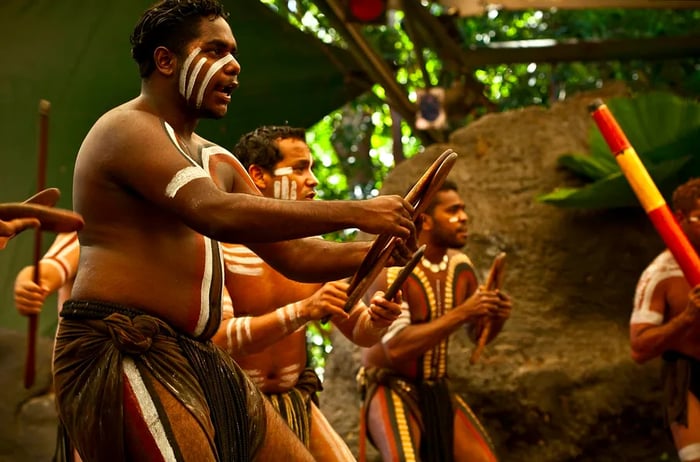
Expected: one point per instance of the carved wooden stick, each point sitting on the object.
(30, 362)
(404, 273)
(493, 282)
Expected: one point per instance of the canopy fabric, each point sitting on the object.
(76, 55)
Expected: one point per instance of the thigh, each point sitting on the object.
(326, 444)
(280, 442)
(471, 442)
(393, 430)
(157, 426)
(687, 439)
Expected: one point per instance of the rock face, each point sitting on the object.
(558, 384)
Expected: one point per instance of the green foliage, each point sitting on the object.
(663, 129)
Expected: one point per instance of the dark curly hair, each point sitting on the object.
(172, 24)
(685, 197)
(259, 147)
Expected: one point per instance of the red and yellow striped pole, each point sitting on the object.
(646, 191)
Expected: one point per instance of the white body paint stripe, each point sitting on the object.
(210, 73)
(204, 309)
(690, 452)
(182, 178)
(148, 409)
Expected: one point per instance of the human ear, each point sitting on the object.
(165, 61)
(258, 175)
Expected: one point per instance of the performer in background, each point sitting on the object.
(265, 328)
(409, 412)
(666, 322)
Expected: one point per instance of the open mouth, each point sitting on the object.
(228, 89)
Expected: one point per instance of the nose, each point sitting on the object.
(312, 181)
(233, 67)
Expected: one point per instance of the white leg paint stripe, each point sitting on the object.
(186, 67)
(210, 73)
(148, 410)
(690, 452)
(182, 178)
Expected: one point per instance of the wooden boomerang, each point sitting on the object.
(493, 282)
(48, 197)
(51, 219)
(419, 197)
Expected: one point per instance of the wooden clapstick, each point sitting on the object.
(412, 197)
(404, 273)
(494, 280)
(419, 197)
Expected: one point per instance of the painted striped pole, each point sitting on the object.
(646, 191)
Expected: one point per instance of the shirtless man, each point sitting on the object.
(666, 322)
(265, 331)
(136, 376)
(409, 411)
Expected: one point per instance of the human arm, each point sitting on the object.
(407, 340)
(56, 267)
(137, 151)
(650, 336)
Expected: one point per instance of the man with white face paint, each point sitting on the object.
(264, 329)
(409, 411)
(136, 375)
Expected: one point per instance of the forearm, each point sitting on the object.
(251, 334)
(359, 327)
(251, 219)
(313, 260)
(416, 339)
(651, 341)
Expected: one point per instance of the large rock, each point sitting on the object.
(27, 416)
(558, 384)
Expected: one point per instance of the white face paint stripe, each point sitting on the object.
(453, 219)
(210, 73)
(185, 68)
(193, 78)
(283, 171)
(148, 410)
(182, 178)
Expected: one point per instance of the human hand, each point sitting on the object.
(692, 309)
(505, 306)
(388, 214)
(29, 296)
(383, 312)
(482, 303)
(8, 229)
(327, 301)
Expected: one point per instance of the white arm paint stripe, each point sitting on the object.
(182, 178)
(246, 324)
(239, 333)
(662, 268)
(362, 321)
(238, 250)
(186, 67)
(646, 317)
(205, 289)
(210, 73)
(283, 171)
(403, 321)
(250, 259)
(148, 410)
(690, 452)
(61, 268)
(229, 339)
(244, 270)
(193, 77)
